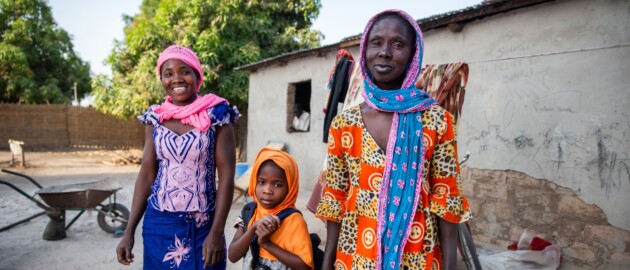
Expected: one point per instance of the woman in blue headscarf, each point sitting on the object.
(393, 194)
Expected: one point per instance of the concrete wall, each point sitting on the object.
(546, 119)
(548, 96)
(267, 114)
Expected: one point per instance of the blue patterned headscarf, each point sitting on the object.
(400, 190)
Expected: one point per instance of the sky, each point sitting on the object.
(95, 24)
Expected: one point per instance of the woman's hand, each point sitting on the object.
(448, 233)
(225, 158)
(141, 192)
(332, 238)
(123, 251)
(213, 249)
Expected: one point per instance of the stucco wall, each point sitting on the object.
(268, 88)
(547, 96)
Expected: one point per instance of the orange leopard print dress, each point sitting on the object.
(355, 170)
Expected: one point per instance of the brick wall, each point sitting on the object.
(504, 203)
(58, 126)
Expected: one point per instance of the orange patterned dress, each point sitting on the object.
(355, 169)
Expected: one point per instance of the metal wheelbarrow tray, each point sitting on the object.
(111, 217)
(79, 196)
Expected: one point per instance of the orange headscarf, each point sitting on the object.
(292, 235)
(288, 165)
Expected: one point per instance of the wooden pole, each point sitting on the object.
(75, 93)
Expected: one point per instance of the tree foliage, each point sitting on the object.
(37, 60)
(224, 33)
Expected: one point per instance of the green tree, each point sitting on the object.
(37, 60)
(224, 33)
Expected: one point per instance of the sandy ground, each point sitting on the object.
(86, 245)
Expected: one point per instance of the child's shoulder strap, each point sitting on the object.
(287, 212)
(247, 213)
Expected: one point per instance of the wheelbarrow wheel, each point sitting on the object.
(109, 217)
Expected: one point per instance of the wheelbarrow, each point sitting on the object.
(56, 200)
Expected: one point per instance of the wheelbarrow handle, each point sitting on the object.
(466, 157)
(22, 221)
(41, 205)
(22, 175)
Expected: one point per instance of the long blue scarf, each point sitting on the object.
(402, 179)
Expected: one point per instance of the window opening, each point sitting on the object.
(299, 107)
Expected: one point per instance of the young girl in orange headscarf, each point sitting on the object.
(285, 244)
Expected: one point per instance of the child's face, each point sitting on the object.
(389, 47)
(179, 81)
(271, 186)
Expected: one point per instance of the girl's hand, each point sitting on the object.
(265, 227)
(270, 222)
(123, 251)
(263, 233)
(213, 250)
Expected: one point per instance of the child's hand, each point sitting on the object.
(265, 227)
(269, 222)
(263, 233)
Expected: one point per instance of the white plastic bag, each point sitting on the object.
(523, 258)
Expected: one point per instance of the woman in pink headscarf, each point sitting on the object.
(188, 138)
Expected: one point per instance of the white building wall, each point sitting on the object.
(547, 95)
(268, 88)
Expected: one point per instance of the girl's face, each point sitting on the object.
(389, 49)
(179, 81)
(271, 186)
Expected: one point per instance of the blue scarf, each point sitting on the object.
(402, 179)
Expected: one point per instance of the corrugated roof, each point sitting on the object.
(455, 19)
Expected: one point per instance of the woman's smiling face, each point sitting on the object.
(389, 48)
(180, 81)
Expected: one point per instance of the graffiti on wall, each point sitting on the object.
(531, 115)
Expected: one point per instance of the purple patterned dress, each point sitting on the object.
(181, 205)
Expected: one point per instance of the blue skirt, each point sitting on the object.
(174, 240)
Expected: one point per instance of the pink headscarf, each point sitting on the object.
(183, 54)
(194, 114)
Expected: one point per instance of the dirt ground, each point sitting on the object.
(86, 245)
